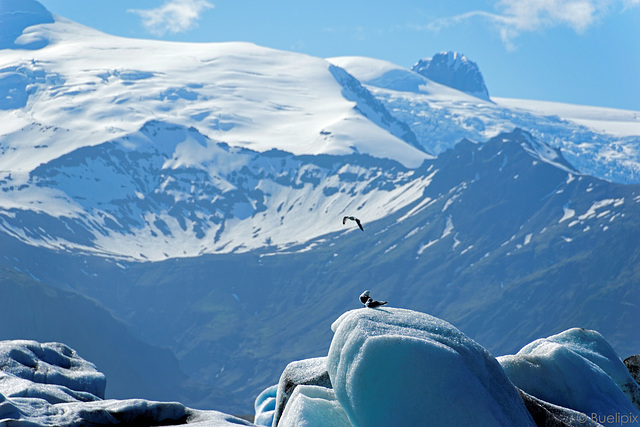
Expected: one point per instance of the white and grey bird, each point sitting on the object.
(370, 302)
(364, 297)
(352, 218)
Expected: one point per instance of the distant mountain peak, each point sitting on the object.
(455, 70)
(18, 15)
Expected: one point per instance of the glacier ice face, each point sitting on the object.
(576, 369)
(50, 385)
(313, 406)
(50, 371)
(393, 366)
(265, 406)
(440, 117)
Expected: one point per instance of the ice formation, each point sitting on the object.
(313, 406)
(265, 406)
(50, 385)
(576, 369)
(393, 366)
(386, 366)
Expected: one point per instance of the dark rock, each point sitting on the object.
(633, 365)
(546, 414)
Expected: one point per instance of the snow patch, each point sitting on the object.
(567, 214)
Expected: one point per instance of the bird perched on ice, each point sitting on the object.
(370, 302)
(352, 218)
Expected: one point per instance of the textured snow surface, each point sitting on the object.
(60, 374)
(576, 369)
(393, 366)
(86, 87)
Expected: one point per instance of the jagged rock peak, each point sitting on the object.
(18, 15)
(455, 70)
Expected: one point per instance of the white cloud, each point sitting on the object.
(532, 15)
(174, 16)
(515, 17)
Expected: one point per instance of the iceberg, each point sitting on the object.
(548, 414)
(633, 365)
(391, 366)
(50, 385)
(49, 371)
(265, 406)
(576, 369)
(385, 366)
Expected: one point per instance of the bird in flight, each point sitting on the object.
(352, 218)
(370, 302)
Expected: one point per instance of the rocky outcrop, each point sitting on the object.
(454, 70)
(547, 415)
(633, 366)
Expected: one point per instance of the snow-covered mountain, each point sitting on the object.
(197, 192)
(176, 125)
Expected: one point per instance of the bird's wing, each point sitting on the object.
(344, 220)
(359, 225)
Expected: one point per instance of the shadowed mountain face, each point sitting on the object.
(35, 311)
(506, 244)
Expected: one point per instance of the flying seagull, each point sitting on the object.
(352, 218)
(370, 302)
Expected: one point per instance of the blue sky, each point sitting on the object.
(576, 51)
